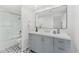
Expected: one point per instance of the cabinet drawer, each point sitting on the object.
(59, 42)
(59, 49)
(61, 45)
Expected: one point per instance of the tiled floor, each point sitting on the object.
(13, 49)
(16, 49)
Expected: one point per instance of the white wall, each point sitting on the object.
(27, 15)
(73, 26)
(76, 26)
(69, 30)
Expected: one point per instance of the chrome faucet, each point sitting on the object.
(58, 31)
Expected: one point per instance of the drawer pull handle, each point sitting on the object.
(60, 48)
(61, 41)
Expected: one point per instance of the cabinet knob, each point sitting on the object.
(30, 39)
(42, 39)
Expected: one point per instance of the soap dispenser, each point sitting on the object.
(36, 29)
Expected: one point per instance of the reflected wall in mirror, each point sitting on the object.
(53, 18)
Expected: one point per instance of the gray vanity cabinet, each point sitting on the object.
(46, 44)
(41, 44)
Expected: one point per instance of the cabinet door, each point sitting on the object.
(35, 43)
(61, 45)
(47, 44)
(41, 44)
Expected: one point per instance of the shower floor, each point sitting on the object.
(13, 49)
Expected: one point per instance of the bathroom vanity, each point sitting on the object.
(49, 43)
(46, 41)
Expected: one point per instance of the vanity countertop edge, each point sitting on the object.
(61, 35)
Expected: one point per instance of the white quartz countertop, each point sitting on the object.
(62, 35)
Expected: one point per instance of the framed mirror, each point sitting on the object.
(53, 18)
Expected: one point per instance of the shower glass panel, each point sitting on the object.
(9, 26)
